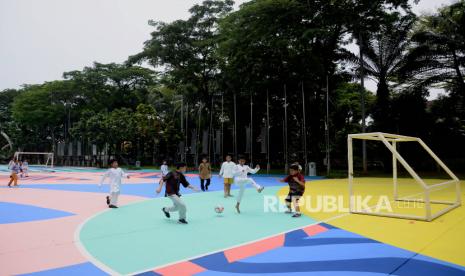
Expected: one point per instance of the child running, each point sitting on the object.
(205, 174)
(227, 172)
(241, 179)
(173, 181)
(115, 174)
(14, 170)
(296, 183)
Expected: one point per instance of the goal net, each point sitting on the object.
(43, 159)
(406, 195)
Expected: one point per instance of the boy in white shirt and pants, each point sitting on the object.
(241, 179)
(227, 172)
(115, 174)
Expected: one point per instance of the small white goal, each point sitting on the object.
(45, 159)
(390, 141)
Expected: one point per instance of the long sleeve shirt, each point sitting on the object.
(227, 169)
(173, 181)
(115, 175)
(241, 171)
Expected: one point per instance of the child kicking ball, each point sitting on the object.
(240, 172)
(115, 174)
(296, 183)
(173, 180)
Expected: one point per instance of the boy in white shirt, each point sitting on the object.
(26, 168)
(115, 174)
(241, 179)
(227, 172)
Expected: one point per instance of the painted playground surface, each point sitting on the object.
(56, 223)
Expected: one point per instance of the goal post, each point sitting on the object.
(391, 141)
(48, 156)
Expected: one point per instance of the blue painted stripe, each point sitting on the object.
(14, 213)
(329, 253)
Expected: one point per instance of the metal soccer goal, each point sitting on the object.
(390, 141)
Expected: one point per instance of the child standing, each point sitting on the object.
(205, 173)
(173, 181)
(241, 179)
(227, 172)
(26, 168)
(115, 174)
(164, 168)
(14, 170)
(296, 183)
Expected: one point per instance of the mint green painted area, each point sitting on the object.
(138, 237)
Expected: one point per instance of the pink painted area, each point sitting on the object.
(180, 269)
(64, 178)
(255, 248)
(314, 229)
(40, 245)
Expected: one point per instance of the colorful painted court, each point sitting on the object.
(57, 223)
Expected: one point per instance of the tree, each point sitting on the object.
(186, 49)
(438, 52)
(384, 57)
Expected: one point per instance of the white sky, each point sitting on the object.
(41, 39)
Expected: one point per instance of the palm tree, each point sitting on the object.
(383, 57)
(438, 52)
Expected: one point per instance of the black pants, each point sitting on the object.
(202, 181)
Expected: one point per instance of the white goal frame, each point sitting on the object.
(50, 156)
(390, 141)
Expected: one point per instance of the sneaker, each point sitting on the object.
(108, 200)
(112, 206)
(237, 208)
(261, 189)
(182, 221)
(296, 215)
(167, 214)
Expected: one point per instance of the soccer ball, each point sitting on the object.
(219, 209)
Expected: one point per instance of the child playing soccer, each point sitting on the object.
(164, 168)
(296, 183)
(115, 174)
(205, 174)
(241, 179)
(173, 181)
(14, 170)
(227, 172)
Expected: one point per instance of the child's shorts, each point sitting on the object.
(295, 195)
(228, 180)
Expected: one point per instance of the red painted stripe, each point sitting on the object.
(255, 248)
(314, 229)
(180, 269)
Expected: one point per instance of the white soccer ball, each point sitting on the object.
(219, 209)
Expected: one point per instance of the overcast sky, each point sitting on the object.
(41, 39)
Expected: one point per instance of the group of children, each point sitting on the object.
(16, 168)
(230, 172)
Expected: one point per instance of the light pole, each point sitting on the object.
(267, 132)
(251, 129)
(235, 127)
(328, 161)
(286, 165)
(304, 128)
(362, 96)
